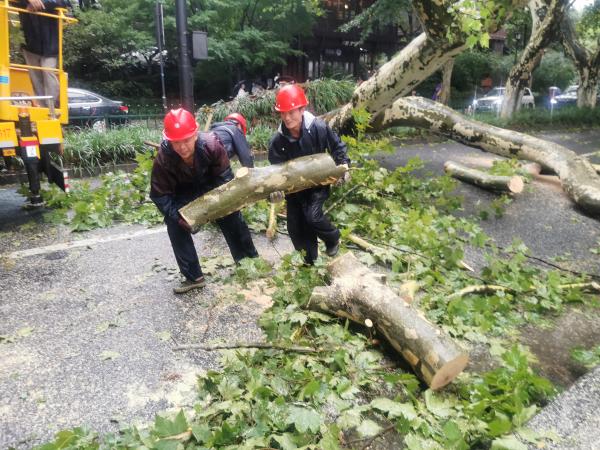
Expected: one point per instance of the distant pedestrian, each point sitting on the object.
(437, 92)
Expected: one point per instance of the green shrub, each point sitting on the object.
(89, 149)
(569, 116)
(323, 95)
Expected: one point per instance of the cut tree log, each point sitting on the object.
(252, 185)
(357, 293)
(484, 180)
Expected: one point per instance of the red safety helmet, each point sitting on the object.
(241, 120)
(179, 125)
(290, 96)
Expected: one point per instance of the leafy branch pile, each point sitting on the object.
(348, 392)
(120, 197)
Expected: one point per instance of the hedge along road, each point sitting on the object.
(90, 318)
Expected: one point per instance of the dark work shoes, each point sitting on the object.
(333, 250)
(187, 285)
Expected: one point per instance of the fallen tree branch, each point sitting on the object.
(491, 288)
(272, 226)
(261, 345)
(152, 144)
(252, 185)
(579, 179)
(342, 198)
(513, 185)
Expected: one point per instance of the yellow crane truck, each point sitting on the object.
(30, 124)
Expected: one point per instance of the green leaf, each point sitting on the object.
(202, 433)
(394, 409)
(368, 428)
(165, 427)
(286, 441)
(109, 354)
(24, 332)
(304, 419)
(500, 425)
(508, 443)
(330, 439)
(310, 389)
(163, 335)
(437, 405)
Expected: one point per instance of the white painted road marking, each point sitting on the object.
(83, 243)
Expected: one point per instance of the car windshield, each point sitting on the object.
(496, 92)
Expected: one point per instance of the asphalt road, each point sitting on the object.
(89, 320)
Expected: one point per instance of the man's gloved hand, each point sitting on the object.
(183, 224)
(276, 197)
(344, 178)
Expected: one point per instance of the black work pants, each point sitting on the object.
(234, 229)
(306, 222)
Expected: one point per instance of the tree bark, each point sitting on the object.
(578, 178)
(444, 98)
(252, 185)
(357, 293)
(586, 63)
(546, 16)
(398, 77)
(513, 185)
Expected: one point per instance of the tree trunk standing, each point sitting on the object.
(588, 86)
(546, 16)
(252, 185)
(576, 174)
(444, 98)
(358, 294)
(586, 63)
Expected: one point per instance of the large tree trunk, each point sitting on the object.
(399, 76)
(444, 98)
(358, 294)
(588, 86)
(252, 185)
(586, 63)
(546, 16)
(576, 174)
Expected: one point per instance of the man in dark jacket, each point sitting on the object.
(41, 44)
(300, 134)
(232, 134)
(188, 165)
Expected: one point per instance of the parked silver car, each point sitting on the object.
(86, 108)
(569, 97)
(493, 100)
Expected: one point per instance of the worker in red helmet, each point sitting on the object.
(300, 134)
(232, 134)
(188, 165)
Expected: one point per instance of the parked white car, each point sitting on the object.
(493, 100)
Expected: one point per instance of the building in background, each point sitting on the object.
(331, 52)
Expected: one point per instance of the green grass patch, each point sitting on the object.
(539, 118)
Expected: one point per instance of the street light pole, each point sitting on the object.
(186, 88)
(160, 39)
